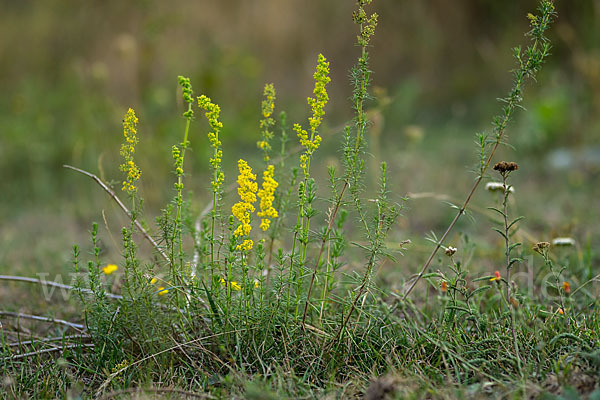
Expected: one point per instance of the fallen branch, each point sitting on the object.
(48, 340)
(73, 325)
(34, 353)
(53, 284)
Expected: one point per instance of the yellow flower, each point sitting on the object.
(234, 285)
(268, 105)
(109, 269)
(153, 281)
(311, 142)
(321, 98)
(127, 150)
(266, 196)
(162, 291)
(244, 208)
(212, 114)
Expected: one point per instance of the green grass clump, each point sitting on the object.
(270, 292)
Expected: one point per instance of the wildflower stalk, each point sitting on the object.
(530, 62)
(306, 194)
(179, 156)
(505, 168)
(212, 114)
(281, 200)
(361, 75)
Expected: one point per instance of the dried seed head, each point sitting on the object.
(540, 247)
(450, 251)
(506, 166)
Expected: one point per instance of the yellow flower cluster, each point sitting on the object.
(212, 114)
(127, 150)
(244, 208)
(311, 142)
(268, 105)
(266, 196)
(317, 104)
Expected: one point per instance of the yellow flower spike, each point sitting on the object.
(268, 106)
(213, 112)
(244, 208)
(109, 269)
(317, 104)
(162, 291)
(127, 150)
(266, 196)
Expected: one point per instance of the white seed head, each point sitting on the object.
(563, 241)
(498, 187)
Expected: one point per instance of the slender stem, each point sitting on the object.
(323, 241)
(112, 194)
(508, 266)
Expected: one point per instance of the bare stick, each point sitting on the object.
(112, 194)
(47, 340)
(34, 353)
(73, 325)
(53, 284)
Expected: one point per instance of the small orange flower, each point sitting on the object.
(444, 286)
(567, 287)
(560, 311)
(496, 277)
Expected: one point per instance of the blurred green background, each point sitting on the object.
(71, 69)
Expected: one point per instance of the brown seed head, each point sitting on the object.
(540, 247)
(506, 166)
